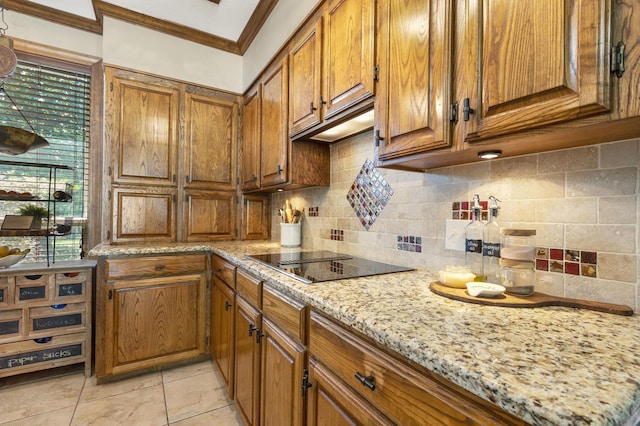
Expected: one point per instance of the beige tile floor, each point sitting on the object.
(183, 396)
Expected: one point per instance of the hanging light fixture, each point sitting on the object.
(14, 140)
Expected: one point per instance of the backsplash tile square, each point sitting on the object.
(369, 194)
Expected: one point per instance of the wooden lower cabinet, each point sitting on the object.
(223, 300)
(331, 402)
(150, 311)
(248, 323)
(283, 365)
(402, 393)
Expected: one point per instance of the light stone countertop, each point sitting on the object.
(548, 366)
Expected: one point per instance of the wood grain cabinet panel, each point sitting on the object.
(211, 142)
(141, 214)
(539, 63)
(412, 108)
(142, 125)
(251, 128)
(248, 323)
(256, 218)
(209, 215)
(223, 302)
(274, 163)
(349, 54)
(169, 144)
(150, 311)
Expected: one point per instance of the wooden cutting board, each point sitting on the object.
(536, 300)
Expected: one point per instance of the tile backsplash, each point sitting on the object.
(583, 203)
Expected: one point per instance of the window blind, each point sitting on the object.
(56, 102)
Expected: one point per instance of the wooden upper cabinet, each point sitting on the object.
(539, 63)
(305, 66)
(211, 147)
(251, 141)
(209, 215)
(349, 54)
(412, 104)
(273, 129)
(142, 128)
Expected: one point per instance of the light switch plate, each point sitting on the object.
(454, 234)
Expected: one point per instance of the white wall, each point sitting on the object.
(36, 30)
(283, 21)
(139, 48)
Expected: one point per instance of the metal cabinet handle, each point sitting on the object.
(279, 169)
(252, 328)
(227, 305)
(368, 381)
(311, 107)
(466, 109)
(259, 336)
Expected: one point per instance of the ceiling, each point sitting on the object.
(229, 25)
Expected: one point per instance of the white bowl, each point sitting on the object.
(479, 289)
(11, 259)
(455, 277)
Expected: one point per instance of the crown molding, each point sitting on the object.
(102, 8)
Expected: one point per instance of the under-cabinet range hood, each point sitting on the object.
(318, 266)
(348, 128)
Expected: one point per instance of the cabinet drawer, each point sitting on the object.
(70, 285)
(225, 271)
(397, 390)
(30, 288)
(250, 288)
(30, 355)
(6, 292)
(10, 323)
(156, 266)
(288, 313)
(46, 319)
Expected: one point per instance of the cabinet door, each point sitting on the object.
(247, 369)
(304, 79)
(141, 127)
(222, 326)
(330, 402)
(154, 321)
(251, 141)
(282, 370)
(275, 137)
(211, 135)
(349, 52)
(415, 77)
(255, 217)
(539, 62)
(209, 215)
(141, 214)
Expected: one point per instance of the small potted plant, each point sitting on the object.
(37, 212)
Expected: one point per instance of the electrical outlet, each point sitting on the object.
(454, 234)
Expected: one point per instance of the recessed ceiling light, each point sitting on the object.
(489, 155)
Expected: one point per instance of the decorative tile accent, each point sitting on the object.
(410, 243)
(337, 234)
(573, 262)
(462, 210)
(369, 194)
(313, 211)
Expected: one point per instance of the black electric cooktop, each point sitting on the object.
(318, 266)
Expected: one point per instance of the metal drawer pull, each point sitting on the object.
(227, 305)
(160, 267)
(367, 381)
(252, 328)
(218, 270)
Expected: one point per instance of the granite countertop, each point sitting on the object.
(548, 366)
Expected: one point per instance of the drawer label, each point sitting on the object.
(57, 321)
(20, 360)
(10, 327)
(29, 293)
(70, 289)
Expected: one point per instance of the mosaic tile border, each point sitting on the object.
(462, 210)
(313, 211)
(572, 262)
(410, 243)
(337, 234)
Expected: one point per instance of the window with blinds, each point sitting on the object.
(55, 104)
